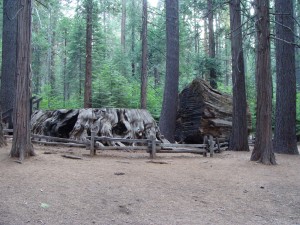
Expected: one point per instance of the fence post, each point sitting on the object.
(92, 150)
(205, 141)
(211, 146)
(153, 147)
(218, 145)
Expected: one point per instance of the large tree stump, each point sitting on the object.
(202, 111)
(110, 122)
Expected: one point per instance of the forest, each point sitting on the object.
(142, 54)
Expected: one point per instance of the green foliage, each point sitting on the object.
(114, 84)
(111, 89)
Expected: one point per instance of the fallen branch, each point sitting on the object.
(71, 156)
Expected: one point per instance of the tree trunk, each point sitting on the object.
(196, 27)
(21, 146)
(227, 63)
(263, 149)
(8, 70)
(123, 25)
(217, 36)
(88, 65)
(109, 122)
(212, 45)
(239, 136)
(167, 122)
(2, 138)
(202, 111)
(205, 42)
(285, 118)
(52, 54)
(156, 77)
(52, 78)
(80, 75)
(132, 41)
(144, 75)
(36, 70)
(66, 81)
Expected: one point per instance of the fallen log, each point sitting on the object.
(203, 111)
(77, 124)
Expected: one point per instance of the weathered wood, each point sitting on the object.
(184, 145)
(71, 156)
(211, 146)
(179, 150)
(77, 124)
(153, 147)
(8, 130)
(92, 150)
(59, 143)
(144, 141)
(203, 111)
(65, 140)
(129, 148)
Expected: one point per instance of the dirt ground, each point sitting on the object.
(127, 188)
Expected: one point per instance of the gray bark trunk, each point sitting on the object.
(239, 136)
(144, 74)
(9, 62)
(167, 122)
(285, 117)
(88, 64)
(21, 146)
(263, 149)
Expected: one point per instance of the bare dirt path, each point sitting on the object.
(126, 188)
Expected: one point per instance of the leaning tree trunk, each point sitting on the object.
(21, 146)
(263, 149)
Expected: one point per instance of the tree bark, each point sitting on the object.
(167, 122)
(88, 65)
(9, 46)
(66, 81)
(263, 149)
(196, 27)
(285, 117)
(123, 25)
(132, 41)
(108, 122)
(239, 135)
(205, 42)
(212, 44)
(202, 111)
(21, 146)
(144, 75)
(2, 138)
(52, 77)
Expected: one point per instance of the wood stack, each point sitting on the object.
(203, 111)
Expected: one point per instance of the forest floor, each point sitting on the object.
(128, 188)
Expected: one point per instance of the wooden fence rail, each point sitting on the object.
(151, 145)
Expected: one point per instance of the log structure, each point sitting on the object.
(77, 124)
(203, 111)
